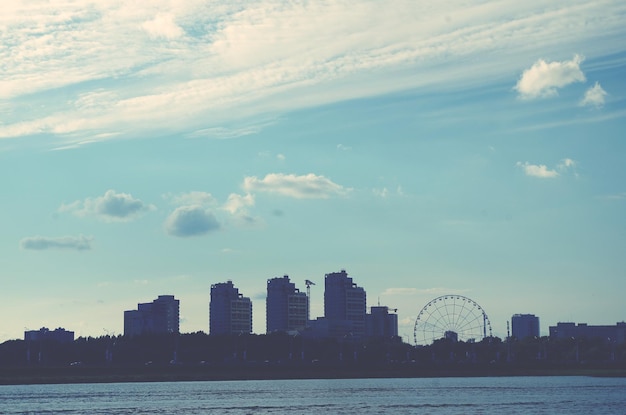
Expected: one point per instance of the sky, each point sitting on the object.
(428, 148)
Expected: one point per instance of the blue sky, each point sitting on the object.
(471, 148)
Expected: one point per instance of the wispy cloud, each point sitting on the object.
(384, 192)
(163, 26)
(192, 198)
(130, 69)
(615, 196)
(309, 186)
(594, 97)
(407, 291)
(544, 78)
(40, 243)
(111, 207)
(228, 133)
(566, 164)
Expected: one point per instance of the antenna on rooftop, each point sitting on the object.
(308, 284)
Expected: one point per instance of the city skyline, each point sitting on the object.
(157, 316)
(467, 147)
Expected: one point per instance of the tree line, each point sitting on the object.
(197, 349)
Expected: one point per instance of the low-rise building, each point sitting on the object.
(616, 333)
(59, 335)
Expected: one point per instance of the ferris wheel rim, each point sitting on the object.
(453, 322)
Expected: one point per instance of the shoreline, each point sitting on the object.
(77, 375)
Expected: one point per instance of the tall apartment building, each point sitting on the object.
(161, 316)
(344, 306)
(229, 311)
(524, 325)
(285, 307)
(381, 323)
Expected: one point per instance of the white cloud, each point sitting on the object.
(544, 78)
(111, 207)
(537, 170)
(198, 213)
(594, 97)
(309, 186)
(163, 26)
(187, 221)
(543, 172)
(237, 203)
(77, 243)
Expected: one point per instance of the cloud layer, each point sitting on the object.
(40, 243)
(128, 69)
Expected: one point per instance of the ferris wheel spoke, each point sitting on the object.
(465, 317)
(454, 312)
(438, 323)
(445, 317)
(474, 324)
(463, 313)
(467, 320)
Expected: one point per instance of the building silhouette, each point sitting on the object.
(286, 308)
(229, 311)
(524, 325)
(161, 316)
(38, 342)
(59, 335)
(381, 323)
(344, 306)
(614, 334)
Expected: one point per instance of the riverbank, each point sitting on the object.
(58, 375)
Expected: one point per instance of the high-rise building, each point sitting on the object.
(229, 311)
(161, 316)
(286, 307)
(381, 323)
(344, 306)
(524, 325)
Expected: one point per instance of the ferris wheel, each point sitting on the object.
(451, 316)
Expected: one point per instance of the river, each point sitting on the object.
(489, 395)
